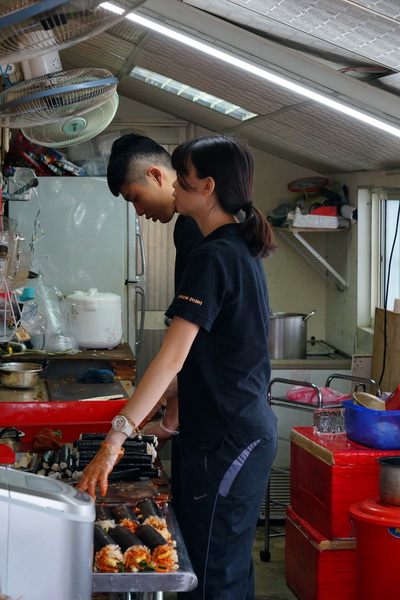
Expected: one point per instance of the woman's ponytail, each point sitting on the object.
(257, 232)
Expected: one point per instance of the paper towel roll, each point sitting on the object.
(396, 307)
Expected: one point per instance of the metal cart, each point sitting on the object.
(150, 586)
(265, 554)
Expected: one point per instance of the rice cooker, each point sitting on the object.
(46, 532)
(95, 318)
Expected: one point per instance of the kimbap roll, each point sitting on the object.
(148, 508)
(107, 554)
(125, 516)
(136, 555)
(104, 517)
(163, 555)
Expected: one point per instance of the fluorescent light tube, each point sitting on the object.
(112, 8)
(235, 61)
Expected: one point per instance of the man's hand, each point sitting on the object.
(98, 470)
(154, 428)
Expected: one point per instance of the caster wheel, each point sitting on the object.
(265, 555)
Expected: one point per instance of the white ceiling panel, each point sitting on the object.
(369, 29)
(308, 41)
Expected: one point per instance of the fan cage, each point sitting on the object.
(54, 136)
(73, 22)
(56, 96)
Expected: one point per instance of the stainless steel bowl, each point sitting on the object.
(20, 375)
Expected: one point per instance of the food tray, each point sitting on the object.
(182, 580)
(372, 428)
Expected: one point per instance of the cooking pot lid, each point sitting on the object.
(10, 433)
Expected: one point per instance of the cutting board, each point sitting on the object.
(62, 390)
(129, 493)
(391, 377)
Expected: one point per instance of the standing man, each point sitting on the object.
(140, 170)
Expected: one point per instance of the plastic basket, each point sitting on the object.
(372, 428)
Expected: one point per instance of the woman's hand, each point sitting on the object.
(98, 470)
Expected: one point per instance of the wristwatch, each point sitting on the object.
(121, 423)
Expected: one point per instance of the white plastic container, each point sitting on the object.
(95, 318)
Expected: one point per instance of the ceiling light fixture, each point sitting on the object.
(244, 65)
(192, 94)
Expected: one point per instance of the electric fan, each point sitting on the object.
(55, 96)
(74, 130)
(29, 28)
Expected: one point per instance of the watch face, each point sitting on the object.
(119, 422)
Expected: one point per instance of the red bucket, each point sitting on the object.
(377, 532)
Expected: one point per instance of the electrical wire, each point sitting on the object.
(386, 294)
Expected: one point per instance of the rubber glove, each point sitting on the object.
(98, 470)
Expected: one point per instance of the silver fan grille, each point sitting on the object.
(55, 96)
(72, 22)
(61, 134)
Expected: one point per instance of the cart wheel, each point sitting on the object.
(265, 555)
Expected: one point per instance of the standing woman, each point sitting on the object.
(218, 344)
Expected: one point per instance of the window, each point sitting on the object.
(390, 250)
(378, 252)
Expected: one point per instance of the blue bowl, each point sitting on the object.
(372, 428)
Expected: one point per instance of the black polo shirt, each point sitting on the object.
(223, 382)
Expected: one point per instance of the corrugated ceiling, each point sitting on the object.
(310, 40)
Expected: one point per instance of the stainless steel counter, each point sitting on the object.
(152, 585)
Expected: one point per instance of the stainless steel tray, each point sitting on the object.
(182, 580)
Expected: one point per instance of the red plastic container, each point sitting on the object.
(71, 418)
(328, 474)
(377, 531)
(317, 568)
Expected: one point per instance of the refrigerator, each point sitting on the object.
(83, 237)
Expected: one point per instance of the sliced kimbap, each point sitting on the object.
(148, 508)
(107, 554)
(137, 556)
(164, 557)
(125, 516)
(104, 517)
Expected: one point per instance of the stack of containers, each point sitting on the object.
(329, 473)
(376, 520)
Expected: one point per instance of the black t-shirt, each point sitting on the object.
(187, 236)
(223, 382)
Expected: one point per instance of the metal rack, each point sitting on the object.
(265, 554)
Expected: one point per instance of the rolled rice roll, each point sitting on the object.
(107, 554)
(160, 524)
(104, 517)
(125, 516)
(150, 536)
(148, 508)
(136, 555)
(163, 556)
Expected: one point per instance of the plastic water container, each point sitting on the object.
(372, 428)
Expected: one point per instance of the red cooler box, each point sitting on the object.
(318, 568)
(327, 475)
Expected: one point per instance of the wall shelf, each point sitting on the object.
(292, 232)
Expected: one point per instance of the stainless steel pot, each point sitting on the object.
(20, 375)
(389, 480)
(288, 335)
(11, 436)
